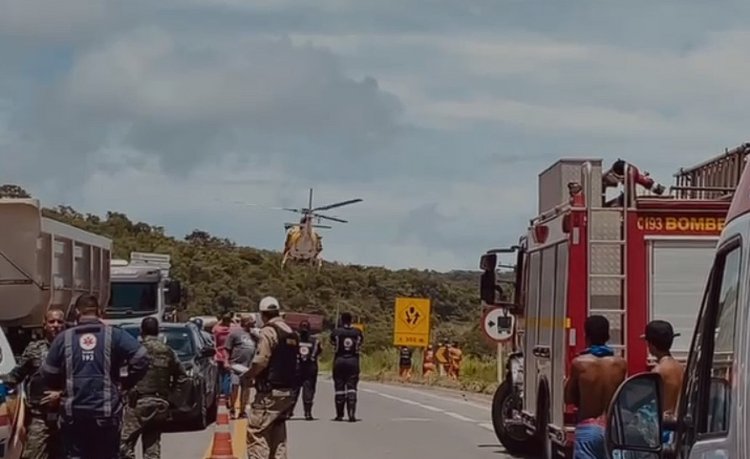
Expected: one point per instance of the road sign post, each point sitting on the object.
(411, 322)
(498, 325)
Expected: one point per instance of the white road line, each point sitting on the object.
(484, 425)
(460, 418)
(487, 426)
(443, 398)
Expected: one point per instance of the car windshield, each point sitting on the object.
(133, 298)
(178, 338)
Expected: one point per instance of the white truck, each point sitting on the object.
(141, 288)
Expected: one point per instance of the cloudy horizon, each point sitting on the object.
(439, 115)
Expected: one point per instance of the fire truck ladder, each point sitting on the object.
(607, 237)
(713, 179)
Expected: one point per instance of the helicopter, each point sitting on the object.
(302, 242)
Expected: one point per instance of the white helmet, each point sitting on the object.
(269, 303)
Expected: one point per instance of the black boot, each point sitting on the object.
(340, 402)
(351, 409)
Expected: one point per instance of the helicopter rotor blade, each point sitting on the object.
(338, 204)
(335, 219)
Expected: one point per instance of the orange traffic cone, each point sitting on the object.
(222, 444)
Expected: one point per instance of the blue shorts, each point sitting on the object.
(226, 382)
(589, 442)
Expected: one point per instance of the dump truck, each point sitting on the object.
(638, 255)
(45, 264)
(142, 287)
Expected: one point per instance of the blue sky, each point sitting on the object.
(438, 114)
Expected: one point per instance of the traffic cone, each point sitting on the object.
(222, 444)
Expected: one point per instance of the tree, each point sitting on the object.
(13, 191)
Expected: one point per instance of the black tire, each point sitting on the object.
(514, 439)
(546, 447)
(201, 419)
(213, 410)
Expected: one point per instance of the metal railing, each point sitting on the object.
(716, 178)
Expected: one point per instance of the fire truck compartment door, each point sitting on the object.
(679, 270)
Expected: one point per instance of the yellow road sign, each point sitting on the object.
(411, 324)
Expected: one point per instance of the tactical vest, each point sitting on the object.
(158, 379)
(308, 351)
(281, 372)
(347, 341)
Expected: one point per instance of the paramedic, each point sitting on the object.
(347, 342)
(307, 366)
(86, 360)
(597, 373)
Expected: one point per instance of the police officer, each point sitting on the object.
(148, 403)
(85, 360)
(307, 367)
(347, 342)
(275, 371)
(43, 434)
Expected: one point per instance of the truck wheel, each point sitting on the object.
(512, 435)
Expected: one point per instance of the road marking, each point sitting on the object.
(460, 417)
(411, 419)
(440, 397)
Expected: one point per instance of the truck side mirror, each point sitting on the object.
(174, 292)
(488, 262)
(634, 418)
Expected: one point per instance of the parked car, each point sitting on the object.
(197, 402)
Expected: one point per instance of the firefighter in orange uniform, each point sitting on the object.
(455, 355)
(428, 362)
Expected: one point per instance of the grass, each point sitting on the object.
(477, 375)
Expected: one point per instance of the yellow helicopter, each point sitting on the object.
(302, 242)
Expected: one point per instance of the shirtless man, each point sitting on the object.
(595, 376)
(659, 336)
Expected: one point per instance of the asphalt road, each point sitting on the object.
(397, 422)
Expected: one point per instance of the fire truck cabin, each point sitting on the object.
(639, 255)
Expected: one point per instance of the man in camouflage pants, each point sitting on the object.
(275, 372)
(148, 402)
(43, 433)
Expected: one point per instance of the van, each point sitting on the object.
(713, 412)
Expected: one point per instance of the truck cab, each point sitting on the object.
(711, 420)
(141, 288)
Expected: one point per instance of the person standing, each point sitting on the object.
(274, 370)
(404, 363)
(220, 331)
(42, 405)
(347, 343)
(594, 378)
(148, 403)
(428, 362)
(241, 348)
(307, 366)
(86, 360)
(455, 356)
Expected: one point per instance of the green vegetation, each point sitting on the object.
(221, 276)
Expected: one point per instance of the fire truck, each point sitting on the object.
(613, 243)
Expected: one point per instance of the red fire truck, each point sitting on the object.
(639, 255)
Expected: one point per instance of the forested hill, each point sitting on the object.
(219, 275)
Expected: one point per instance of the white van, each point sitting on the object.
(713, 414)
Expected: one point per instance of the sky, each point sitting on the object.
(438, 114)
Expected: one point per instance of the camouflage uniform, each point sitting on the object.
(147, 403)
(266, 427)
(43, 433)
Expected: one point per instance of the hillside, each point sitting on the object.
(219, 275)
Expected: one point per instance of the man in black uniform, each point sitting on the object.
(307, 367)
(347, 342)
(85, 361)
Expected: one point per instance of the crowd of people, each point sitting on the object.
(80, 405)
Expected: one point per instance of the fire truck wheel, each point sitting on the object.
(543, 419)
(511, 434)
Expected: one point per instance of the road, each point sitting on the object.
(397, 422)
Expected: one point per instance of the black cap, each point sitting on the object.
(659, 331)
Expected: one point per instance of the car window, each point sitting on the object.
(706, 407)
